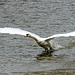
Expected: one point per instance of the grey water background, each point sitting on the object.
(22, 56)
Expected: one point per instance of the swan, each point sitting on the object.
(43, 42)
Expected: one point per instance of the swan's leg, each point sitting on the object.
(51, 49)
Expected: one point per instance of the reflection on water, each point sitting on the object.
(43, 55)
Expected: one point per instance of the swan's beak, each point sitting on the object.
(26, 36)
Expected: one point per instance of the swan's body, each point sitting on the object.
(43, 42)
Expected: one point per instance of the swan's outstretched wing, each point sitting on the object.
(15, 31)
(23, 32)
(60, 35)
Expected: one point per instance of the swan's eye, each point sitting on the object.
(26, 35)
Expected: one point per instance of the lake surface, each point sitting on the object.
(22, 56)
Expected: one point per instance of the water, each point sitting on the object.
(22, 56)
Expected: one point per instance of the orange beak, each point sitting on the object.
(26, 35)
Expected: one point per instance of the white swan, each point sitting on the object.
(43, 42)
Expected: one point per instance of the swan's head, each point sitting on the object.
(34, 36)
(27, 35)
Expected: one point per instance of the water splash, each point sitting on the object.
(57, 46)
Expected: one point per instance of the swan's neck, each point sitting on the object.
(36, 38)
